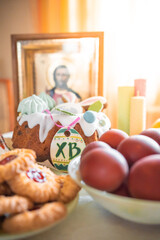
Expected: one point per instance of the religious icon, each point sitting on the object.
(61, 92)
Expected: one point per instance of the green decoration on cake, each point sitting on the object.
(71, 109)
(63, 111)
(96, 106)
(48, 100)
(31, 105)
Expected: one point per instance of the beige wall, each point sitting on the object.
(16, 16)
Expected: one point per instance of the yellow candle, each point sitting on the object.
(137, 115)
(124, 99)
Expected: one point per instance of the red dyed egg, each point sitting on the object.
(137, 147)
(153, 133)
(144, 178)
(113, 137)
(103, 169)
(93, 145)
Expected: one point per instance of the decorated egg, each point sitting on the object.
(65, 146)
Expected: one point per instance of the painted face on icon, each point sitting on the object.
(62, 76)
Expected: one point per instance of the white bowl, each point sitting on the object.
(136, 210)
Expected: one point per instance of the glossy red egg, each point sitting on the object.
(103, 169)
(144, 178)
(113, 137)
(137, 147)
(93, 145)
(153, 133)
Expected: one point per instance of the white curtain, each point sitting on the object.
(132, 49)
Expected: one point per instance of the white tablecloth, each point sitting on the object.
(89, 221)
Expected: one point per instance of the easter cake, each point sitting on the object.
(58, 133)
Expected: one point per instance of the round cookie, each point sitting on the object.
(38, 183)
(69, 189)
(14, 204)
(48, 214)
(14, 161)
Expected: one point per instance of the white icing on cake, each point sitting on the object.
(44, 120)
(88, 128)
(46, 123)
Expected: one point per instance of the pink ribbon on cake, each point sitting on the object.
(69, 126)
(74, 122)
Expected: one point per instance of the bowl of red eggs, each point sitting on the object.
(122, 173)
